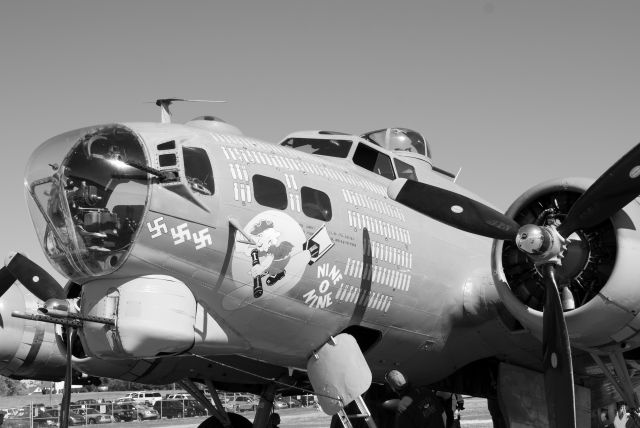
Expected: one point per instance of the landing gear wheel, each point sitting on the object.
(237, 421)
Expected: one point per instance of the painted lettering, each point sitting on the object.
(324, 286)
(314, 300)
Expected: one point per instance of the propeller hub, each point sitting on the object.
(533, 239)
(543, 244)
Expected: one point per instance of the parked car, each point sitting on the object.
(74, 418)
(141, 411)
(123, 412)
(195, 409)
(293, 402)
(144, 397)
(179, 408)
(180, 396)
(19, 417)
(92, 416)
(87, 402)
(45, 419)
(279, 403)
(16, 421)
(170, 408)
(240, 403)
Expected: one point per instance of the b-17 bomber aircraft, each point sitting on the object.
(195, 254)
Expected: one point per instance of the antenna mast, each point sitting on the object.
(164, 103)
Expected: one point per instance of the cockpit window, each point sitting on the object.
(401, 139)
(87, 194)
(405, 170)
(197, 169)
(317, 146)
(373, 160)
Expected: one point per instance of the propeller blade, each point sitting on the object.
(6, 280)
(453, 209)
(613, 190)
(556, 351)
(37, 280)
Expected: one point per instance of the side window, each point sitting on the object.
(197, 169)
(269, 192)
(371, 159)
(315, 204)
(167, 160)
(405, 170)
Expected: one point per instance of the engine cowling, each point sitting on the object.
(28, 349)
(153, 315)
(601, 267)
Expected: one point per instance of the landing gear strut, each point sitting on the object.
(220, 418)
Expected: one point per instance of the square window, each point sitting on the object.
(269, 192)
(315, 204)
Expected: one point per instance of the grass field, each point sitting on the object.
(475, 414)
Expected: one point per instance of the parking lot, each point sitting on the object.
(291, 409)
(113, 408)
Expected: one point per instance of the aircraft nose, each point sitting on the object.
(86, 192)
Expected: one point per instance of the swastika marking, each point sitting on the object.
(158, 227)
(202, 238)
(180, 234)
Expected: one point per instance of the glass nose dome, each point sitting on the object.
(87, 191)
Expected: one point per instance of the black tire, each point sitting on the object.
(116, 418)
(237, 421)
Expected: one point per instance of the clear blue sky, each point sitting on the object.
(514, 92)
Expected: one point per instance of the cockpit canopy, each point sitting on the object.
(400, 139)
(389, 152)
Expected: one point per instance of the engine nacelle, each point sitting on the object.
(28, 349)
(154, 315)
(601, 267)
